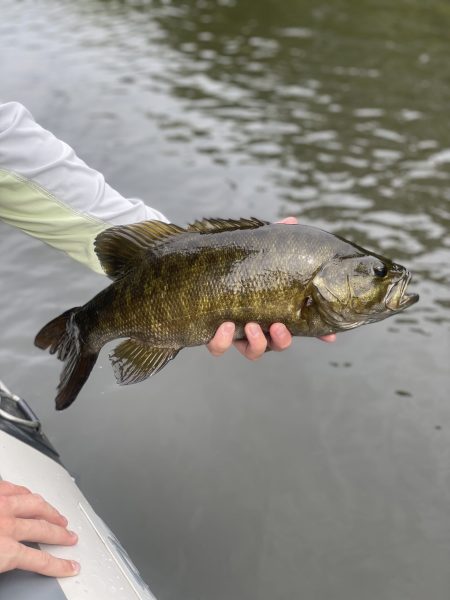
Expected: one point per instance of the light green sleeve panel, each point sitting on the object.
(50, 193)
(34, 210)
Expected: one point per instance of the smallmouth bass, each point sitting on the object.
(172, 287)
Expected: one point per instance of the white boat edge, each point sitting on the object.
(107, 572)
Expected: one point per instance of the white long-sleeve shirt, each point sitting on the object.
(51, 194)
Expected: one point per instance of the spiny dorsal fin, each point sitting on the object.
(121, 248)
(134, 361)
(218, 225)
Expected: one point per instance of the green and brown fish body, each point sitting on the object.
(173, 287)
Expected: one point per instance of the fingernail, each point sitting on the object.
(73, 533)
(75, 566)
(228, 327)
(277, 329)
(253, 329)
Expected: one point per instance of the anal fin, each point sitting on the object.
(134, 361)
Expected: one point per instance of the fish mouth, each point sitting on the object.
(397, 298)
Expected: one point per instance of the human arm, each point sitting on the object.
(27, 517)
(50, 193)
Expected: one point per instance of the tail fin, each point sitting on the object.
(61, 336)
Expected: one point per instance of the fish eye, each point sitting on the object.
(380, 270)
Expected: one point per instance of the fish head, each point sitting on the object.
(354, 290)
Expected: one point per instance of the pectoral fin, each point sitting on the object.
(134, 361)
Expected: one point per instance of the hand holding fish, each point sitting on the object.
(256, 343)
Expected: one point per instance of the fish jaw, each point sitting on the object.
(397, 299)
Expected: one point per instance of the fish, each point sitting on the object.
(173, 286)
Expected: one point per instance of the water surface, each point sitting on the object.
(321, 472)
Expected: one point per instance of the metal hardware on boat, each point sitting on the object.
(31, 420)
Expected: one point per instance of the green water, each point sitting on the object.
(317, 474)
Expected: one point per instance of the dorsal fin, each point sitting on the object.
(122, 247)
(218, 225)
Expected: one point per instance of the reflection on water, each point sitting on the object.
(332, 111)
